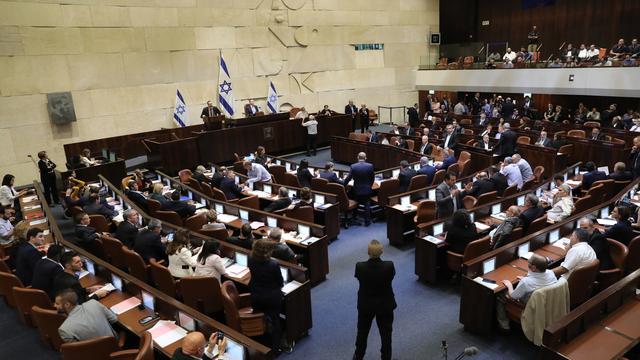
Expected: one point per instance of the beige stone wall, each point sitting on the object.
(123, 60)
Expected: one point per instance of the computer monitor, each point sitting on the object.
(472, 216)
(488, 265)
(244, 214)
(190, 195)
(272, 222)
(159, 178)
(167, 182)
(495, 209)
(432, 194)
(112, 156)
(523, 249)
(566, 176)
(304, 231)
(170, 237)
(148, 300)
(203, 201)
(395, 173)
(576, 171)
(90, 266)
(416, 167)
(285, 274)
(219, 208)
(116, 281)
(318, 199)
(250, 185)
(241, 259)
(237, 179)
(105, 153)
(438, 229)
(459, 185)
(287, 166)
(186, 321)
(521, 200)
(554, 235)
(235, 351)
(604, 212)
(266, 188)
(405, 200)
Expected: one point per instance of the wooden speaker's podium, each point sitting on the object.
(214, 122)
(173, 153)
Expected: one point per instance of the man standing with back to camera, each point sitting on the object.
(375, 300)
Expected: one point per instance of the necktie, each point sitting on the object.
(455, 202)
(210, 112)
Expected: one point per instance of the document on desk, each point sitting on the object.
(562, 243)
(500, 216)
(573, 183)
(433, 239)
(83, 273)
(237, 270)
(38, 222)
(527, 255)
(405, 208)
(484, 283)
(256, 225)
(119, 218)
(125, 305)
(28, 199)
(289, 287)
(226, 218)
(481, 227)
(32, 207)
(165, 333)
(108, 288)
(606, 222)
(321, 206)
(309, 241)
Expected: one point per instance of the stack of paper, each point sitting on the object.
(32, 207)
(165, 333)
(606, 222)
(500, 216)
(237, 270)
(310, 240)
(526, 255)
(38, 222)
(481, 227)
(562, 243)
(226, 218)
(290, 287)
(108, 288)
(28, 199)
(433, 239)
(484, 283)
(405, 207)
(256, 225)
(125, 305)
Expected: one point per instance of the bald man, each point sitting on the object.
(194, 346)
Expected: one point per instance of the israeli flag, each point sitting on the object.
(272, 99)
(180, 113)
(225, 95)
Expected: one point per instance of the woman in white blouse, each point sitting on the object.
(209, 261)
(7, 193)
(181, 259)
(85, 158)
(562, 204)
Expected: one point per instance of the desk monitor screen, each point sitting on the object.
(116, 281)
(552, 185)
(395, 173)
(147, 300)
(554, 235)
(244, 215)
(604, 169)
(237, 180)
(304, 231)
(159, 178)
(90, 266)
(604, 213)
(430, 162)
(292, 193)
(241, 259)
(432, 194)
(539, 192)
(278, 162)
(234, 351)
(576, 171)
(272, 222)
(250, 185)
(287, 166)
(495, 209)
(523, 249)
(168, 182)
(416, 167)
(190, 195)
(488, 265)
(521, 200)
(472, 216)
(405, 200)
(112, 156)
(459, 185)
(566, 176)
(186, 321)
(438, 229)
(318, 199)
(219, 208)
(105, 153)
(266, 188)
(203, 201)
(285, 274)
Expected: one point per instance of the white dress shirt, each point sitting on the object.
(258, 173)
(532, 282)
(580, 254)
(7, 195)
(182, 262)
(5, 229)
(561, 209)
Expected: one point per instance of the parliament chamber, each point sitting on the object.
(199, 179)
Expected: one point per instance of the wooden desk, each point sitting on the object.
(113, 171)
(172, 155)
(596, 343)
(346, 151)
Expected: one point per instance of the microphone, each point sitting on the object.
(470, 351)
(482, 48)
(561, 46)
(33, 161)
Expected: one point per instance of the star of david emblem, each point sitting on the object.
(225, 87)
(273, 98)
(181, 109)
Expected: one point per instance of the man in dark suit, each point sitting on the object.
(181, 207)
(351, 109)
(85, 234)
(67, 279)
(407, 130)
(127, 230)
(362, 174)
(245, 239)
(363, 114)
(199, 175)
(447, 161)
(134, 194)
(281, 202)
(484, 143)
(425, 148)
(475, 104)
(448, 197)
(229, 187)
(499, 180)
(450, 137)
(406, 173)
(426, 169)
(28, 255)
(596, 134)
(543, 140)
(592, 175)
(251, 109)
(47, 269)
(217, 177)
(149, 243)
(414, 118)
(506, 145)
(95, 207)
(210, 111)
(375, 300)
(619, 173)
(329, 175)
(598, 242)
(507, 108)
(527, 107)
(634, 157)
(530, 212)
(482, 185)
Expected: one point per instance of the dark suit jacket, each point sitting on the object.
(448, 161)
(149, 245)
(200, 177)
(163, 200)
(634, 162)
(545, 143)
(408, 131)
(363, 114)
(444, 201)
(600, 136)
(458, 238)
(351, 110)
(137, 198)
(405, 178)
(26, 258)
(452, 142)
(529, 215)
(179, 355)
(507, 144)
(500, 182)
(100, 209)
(620, 231)
(621, 176)
(216, 179)
(242, 242)
(230, 189)
(428, 170)
(64, 281)
(480, 145)
(376, 291)
(480, 187)
(589, 178)
(600, 246)
(127, 233)
(248, 112)
(283, 252)
(414, 118)
(214, 109)
(304, 177)
(507, 110)
(44, 273)
(427, 149)
(265, 284)
(85, 235)
(331, 177)
(363, 176)
(46, 174)
(278, 204)
(502, 236)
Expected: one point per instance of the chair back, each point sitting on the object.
(633, 257)
(219, 194)
(523, 140)
(75, 210)
(162, 278)
(26, 299)
(145, 350)
(195, 222)
(538, 172)
(438, 177)
(454, 169)
(251, 202)
(528, 184)
(113, 252)
(99, 348)
(387, 188)
(537, 224)
(125, 181)
(135, 264)
(171, 217)
(418, 182)
(582, 204)
(218, 234)
(153, 206)
(487, 198)
(304, 213)
(277, 171)
(619, 185)
(202, 293)
(477, 248)
(566, 149)
(426, 211)
(290, 179)
(618, 252)
(4, 267)
(557, 294)
(99, 222)
(7, 283)
(206, 189)
(48, 321)
(511, 190)
(597, 193)
(319, 184)
(230, 301)
(464, 168)
(410, 144)
(591, 124)
(577, 133)
(609, 186)
(195, 184)
(581, 282)
(339, 191)
(469, 201)
(467, 131)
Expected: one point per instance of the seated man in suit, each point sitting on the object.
(426, 169)
(194, 346)
(156, 194)
(596, 134)
(135, 195)
(68, 279)
(47, 269)
(282, 202)
(531, 211)
(149, 244)
(217, 176)
(198, 174)
(482, 185)
(363, 177)
(619, 172)
(329, 175)
(95, 207)
(210, 111)
(127, 230)
(501, 233)
(251, 109)
(487, 131)
(245, 239)
(182, 207)
(484, 143)
(85, 234)
(84, 321)
(405, 175)
(28, 255)
(448, 196)
(449, 160)
(543, 140)
(425, 148)
(592, 175)
(598, 243)
(450, 137)
(281, 250)
(229, 187)
(499, 180)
